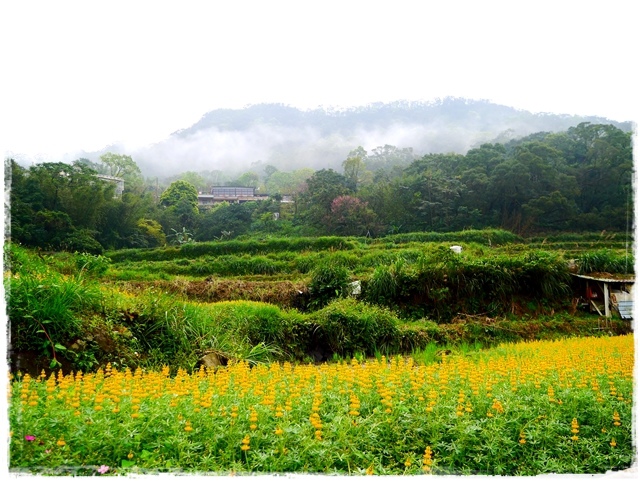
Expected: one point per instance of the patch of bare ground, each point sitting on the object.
(281, 293)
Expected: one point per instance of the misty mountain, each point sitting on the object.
(236, 140)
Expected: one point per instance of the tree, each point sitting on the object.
(248, 179)
(195, 179)
(119, 165)
(354, 167)
(181, 206)
(178, 191)
(54, 199)
(350, 216)
(315, 203)
(226, 220)
(269, 170)
(389, 201)
(152, 233)
(390, 159)
(550, 212)
(288, 183)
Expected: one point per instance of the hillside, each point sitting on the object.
(289, 138)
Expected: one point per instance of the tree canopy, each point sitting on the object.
(579, 179)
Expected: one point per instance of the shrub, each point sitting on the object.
(45, 309)
(259, 322)
(347, 327)
(82, 240)
(94, 265)
(328, 282)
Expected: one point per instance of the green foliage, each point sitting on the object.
(181, 237)
(81, 240)
(580, 179)
(251, 246)
(263, 325)
(382, 288)
(490, 237)
(328, 281)
(152, 233)
(95, 265)
(347, 327)
(226, 221)
(444, 284)
(57, 297)
(178, 191)
(118, 165)
(314, 204)
(605, 260)
(45, 308)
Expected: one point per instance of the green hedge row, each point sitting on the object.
(254, 247)
(488, 237)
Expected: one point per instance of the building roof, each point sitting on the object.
(606, 277)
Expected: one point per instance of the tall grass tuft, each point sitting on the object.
(46, 308)
(604, 260)
(347, 327)
(328, 281)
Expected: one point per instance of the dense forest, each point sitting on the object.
(576, 180)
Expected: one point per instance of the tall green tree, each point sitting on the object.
(57, 205)
(119, 165)
(354, 168)
(180, 202)
(315, 203)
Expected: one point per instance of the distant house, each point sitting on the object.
(118, 181)
(231, 194)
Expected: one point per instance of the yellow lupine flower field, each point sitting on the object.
(562, 406)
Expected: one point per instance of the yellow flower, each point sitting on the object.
(369, 470)
(613, 443)
(279, 431)
(130, 455)
(407, 463)
(426, 459)
(61, 442)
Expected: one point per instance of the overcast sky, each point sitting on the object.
(81, 75)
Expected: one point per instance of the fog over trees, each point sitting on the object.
(234, 141)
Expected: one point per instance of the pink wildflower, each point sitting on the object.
(103, 469)
(29, 438)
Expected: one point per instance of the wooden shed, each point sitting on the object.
(605, 293)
